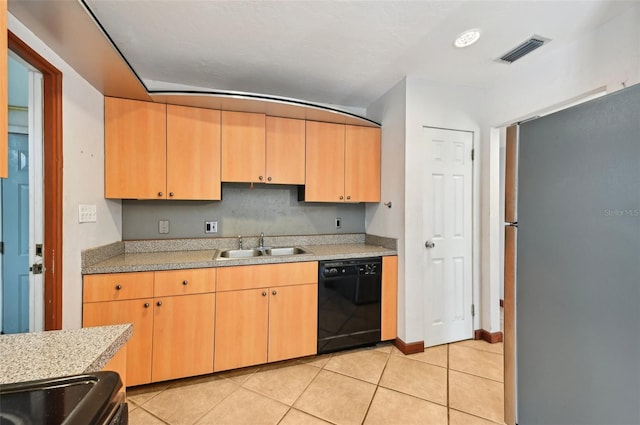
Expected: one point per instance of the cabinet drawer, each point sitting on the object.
(183, 282)
(266, 275)
(117, 286)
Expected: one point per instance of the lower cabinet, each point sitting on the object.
(182, 336)
(389, 313)
(275, 320)
(172, 313)
(139, 313)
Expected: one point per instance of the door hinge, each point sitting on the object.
(473, 154)
(2, 247)
(39, 249)
(473, 310)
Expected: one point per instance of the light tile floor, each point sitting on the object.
(456, 384)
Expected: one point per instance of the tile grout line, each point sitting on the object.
(479, 417)
(448, 389)
(376, 389)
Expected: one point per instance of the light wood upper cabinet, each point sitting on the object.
(182, 336)
(389, 307)
(342, 163)
(260, 149)
(243, 147)
(4, 93)
(362, 164)
(285, 151)
(324, 162)
(193, 153)
(293, 322)
(134, 149)
(157, 151)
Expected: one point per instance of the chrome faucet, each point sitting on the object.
(239, 241)
(261, 240)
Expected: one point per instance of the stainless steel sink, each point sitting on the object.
(240, 253)
(290, 250)
(258, 252)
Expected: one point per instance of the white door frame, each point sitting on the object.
(36, 198)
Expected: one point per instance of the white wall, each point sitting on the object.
(404, 111)
(436, 105)
(83, 175)
(602, 59)
(390, 110)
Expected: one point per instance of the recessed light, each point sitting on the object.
(467, 38)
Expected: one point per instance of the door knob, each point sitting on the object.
(429, 244)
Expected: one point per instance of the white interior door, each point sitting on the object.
(447, 218)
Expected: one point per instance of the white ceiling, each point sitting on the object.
(344, 53)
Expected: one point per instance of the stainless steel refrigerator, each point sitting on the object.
(572, 265)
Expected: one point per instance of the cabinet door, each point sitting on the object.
(139, 313)
(285, 151)
(293, 321)
(134, 149)
(182, 336)
(324, 180)
(184, 282)
(193, 153)
(362, 164)
(241, 329)
(243, 147)
(389, 308)
(266, 275)
(117, 286)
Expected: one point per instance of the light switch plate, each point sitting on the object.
(87, 213)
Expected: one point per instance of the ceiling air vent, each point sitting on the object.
(523, 49)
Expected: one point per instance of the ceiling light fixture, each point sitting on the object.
(467, 38)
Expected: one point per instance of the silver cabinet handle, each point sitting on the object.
(429, 244)
(185, 282)
(159, 303)
(264, 293)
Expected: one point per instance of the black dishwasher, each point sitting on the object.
(349, 294)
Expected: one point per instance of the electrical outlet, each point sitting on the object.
(163, 226)
(87, 213)
(338, 222)
(211, 227)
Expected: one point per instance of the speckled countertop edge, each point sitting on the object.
(331, 247)
(51, 354)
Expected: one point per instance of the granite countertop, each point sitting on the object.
(51, 354)
(143, 255)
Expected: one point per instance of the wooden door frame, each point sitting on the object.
(52, 149)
